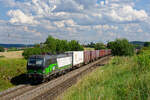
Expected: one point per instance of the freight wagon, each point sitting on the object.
(42, 67)
(97, 54)
(87, 57)
(93, 55)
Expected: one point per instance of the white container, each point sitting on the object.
(78, 57)
(65, 61)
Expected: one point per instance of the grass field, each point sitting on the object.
(12, 54)
(125, 78)
(9, 69)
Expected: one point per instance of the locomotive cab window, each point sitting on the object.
(35, 61)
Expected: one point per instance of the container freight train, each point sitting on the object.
(44, 67)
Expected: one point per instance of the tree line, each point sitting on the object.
(119, 47)
(96, 46)
(2, 49)
(53, 46)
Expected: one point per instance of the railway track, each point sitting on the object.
(50, 90)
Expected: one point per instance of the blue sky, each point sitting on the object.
(31, 21)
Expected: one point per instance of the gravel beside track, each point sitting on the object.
(10, 90)
(8, 95)
(50, 90)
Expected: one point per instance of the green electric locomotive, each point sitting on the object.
(41, 67)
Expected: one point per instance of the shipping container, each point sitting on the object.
(64, 62)
(97, 54)
(101, 53)
(87, 57)
(105, 52)
(77, 57)
(93, 55)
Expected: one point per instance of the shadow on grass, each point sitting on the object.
(23, 80)
(20, 80)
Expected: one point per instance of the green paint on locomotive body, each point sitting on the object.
(53, 67)
(49, 69)
(39, 71)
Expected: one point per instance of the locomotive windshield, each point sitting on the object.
(35, 61)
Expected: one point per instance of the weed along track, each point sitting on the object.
(50, 90)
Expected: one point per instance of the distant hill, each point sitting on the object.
(141, 43)
(137, 43)
(15, 45)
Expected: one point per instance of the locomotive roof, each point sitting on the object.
(49, 56)
(39, 56)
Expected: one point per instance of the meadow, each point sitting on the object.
(9, 69)
(11, 54)
(124, 78)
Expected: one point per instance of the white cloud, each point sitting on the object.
(65, 23)
(19, 17)
(127, 13)
(26, 29)
(102, 3)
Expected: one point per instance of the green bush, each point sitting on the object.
(75, 46)
(143, 61)
(61, 46)
(99, 46)
(121, 47)
(147, 44)
(13, 49)
(31, 51)
(51, 44)
(1, 49)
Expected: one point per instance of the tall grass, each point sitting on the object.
(125, 78)
(10, 68)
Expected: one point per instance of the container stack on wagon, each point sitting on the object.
(87, 57)
(93, 55)
(77, 57)
(109, 51)
(97, 54)
(101, 53)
